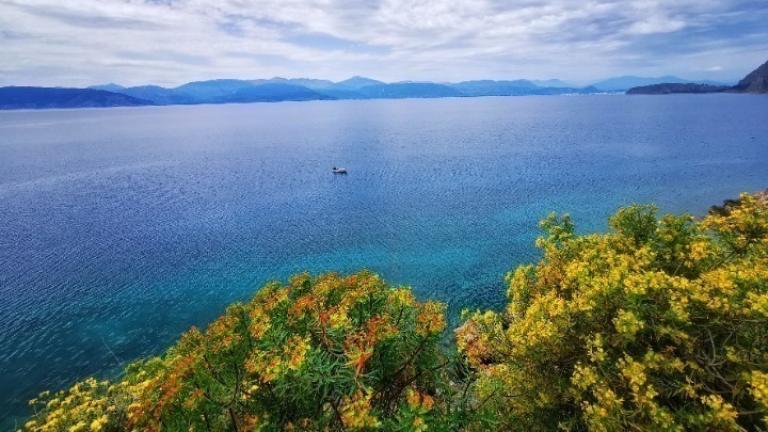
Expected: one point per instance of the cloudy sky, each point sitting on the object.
(83, 42)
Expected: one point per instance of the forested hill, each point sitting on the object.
(54, 97)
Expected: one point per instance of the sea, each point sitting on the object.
(122, 227)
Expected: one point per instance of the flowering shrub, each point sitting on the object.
(657, 325)
(322, 353)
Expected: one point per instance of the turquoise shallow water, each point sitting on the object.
(120, 228)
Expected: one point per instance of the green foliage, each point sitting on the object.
(660, 324)
(636, 223)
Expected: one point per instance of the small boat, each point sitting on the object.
(339, 170)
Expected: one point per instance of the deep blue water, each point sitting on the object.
(120, 228)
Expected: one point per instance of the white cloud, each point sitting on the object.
(656, 25)
(81, 42)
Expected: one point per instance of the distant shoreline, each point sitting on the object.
(604, 94)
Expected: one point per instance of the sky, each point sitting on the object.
(170, 42)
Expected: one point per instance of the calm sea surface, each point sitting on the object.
(120, 228)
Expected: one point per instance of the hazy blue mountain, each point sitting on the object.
(521, 83)
(515, 88)
(229, 90)
(408, 90)
(342, 93)
(310, 83)
(273, 89)
(211, 90)
(624, 83)
(158, 95)
(355, 83)
(111, 87)
(54, 97)
(314, 84)
(273, 92)
(551, 83)
(671, 88)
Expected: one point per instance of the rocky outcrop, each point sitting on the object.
(755, 82)
(729, 204)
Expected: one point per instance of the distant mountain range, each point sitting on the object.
(755, 82)
(551, 83)
(303, 89)
(277, 89)
(270, 90)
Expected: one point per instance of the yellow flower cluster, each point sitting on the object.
(477, 336)
(759, 388)
(420, 401)
(721, 414)
(297, 357)
(359, 346)
(356, 412)
(658, 324)
(431, 318)
(420, 404)
(270, 365)
(82, 408)
(627, 324)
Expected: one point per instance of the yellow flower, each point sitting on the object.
(296, 350)
(402, 297)
(583, 376)
(77, 426)
(418, 424)
(627, 324)
(722, 412)
(431, 318)
(699, 250)
(98, 424)
(356, 412)
(417, 400)
(759, 388)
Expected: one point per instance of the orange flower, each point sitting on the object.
(417, 400)
(303, 304)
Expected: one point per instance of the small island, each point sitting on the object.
(670, 88)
